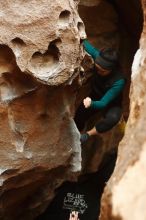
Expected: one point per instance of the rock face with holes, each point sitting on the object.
(42, 37)
(39, 142)
(125, 195)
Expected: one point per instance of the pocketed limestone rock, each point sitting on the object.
(43, 36)
(40, 55)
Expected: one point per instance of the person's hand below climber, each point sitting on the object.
(74, 216)
(87, 102)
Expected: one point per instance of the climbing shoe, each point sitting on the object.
(84, 138)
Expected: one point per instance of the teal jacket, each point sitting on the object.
(115, 89)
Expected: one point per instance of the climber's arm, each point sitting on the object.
(109, 96)
(90, 49)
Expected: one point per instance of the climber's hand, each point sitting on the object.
(87, 102)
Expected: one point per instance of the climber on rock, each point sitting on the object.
(106, 96)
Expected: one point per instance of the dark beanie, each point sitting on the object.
(107, 59)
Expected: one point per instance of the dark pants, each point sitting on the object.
(111, 117)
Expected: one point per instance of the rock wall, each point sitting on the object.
(40, 61)
(124, 197)
(40, 55)
(42, 37)
(101, 23)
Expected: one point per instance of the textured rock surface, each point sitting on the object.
(124, 197)
(40, 55)
(39, 140)
(42, 37)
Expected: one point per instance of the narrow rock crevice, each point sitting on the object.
(108, 24)
(44, 76)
